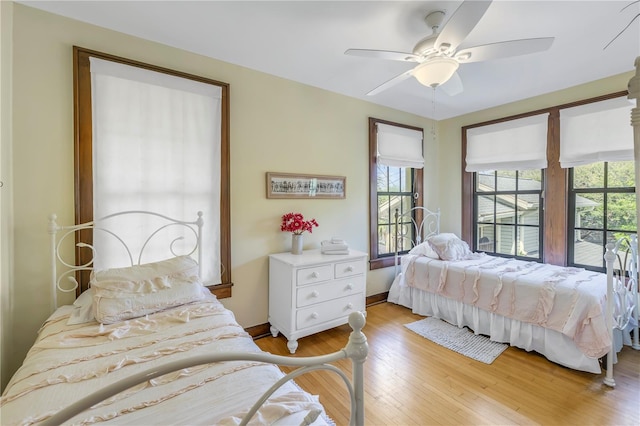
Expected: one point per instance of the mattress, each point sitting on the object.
(69, 361)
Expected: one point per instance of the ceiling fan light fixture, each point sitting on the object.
(436, 71)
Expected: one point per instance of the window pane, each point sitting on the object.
(394, 179)
(613, 237)
(528, 241)
(405, 236)
(589, 248)
(385, 245)
(382, 178)
(506, 239)
(589, 210)
(407, 203)
(485, 205)
(485, 238)
(506, 180)
(383, 209)
(621, 212)
(406, 179)
(505, 208)
(395, 203)
(529, 209)
(589, 176)
(621, 174)
(485, 181)
(530, 180)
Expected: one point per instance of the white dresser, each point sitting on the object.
(312, 292)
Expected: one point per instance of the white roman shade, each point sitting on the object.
(519, 144)
(598, 131)
(399, 146)
(156, 147)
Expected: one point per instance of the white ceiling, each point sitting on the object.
(305, 41)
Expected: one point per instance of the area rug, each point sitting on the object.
(460, 340)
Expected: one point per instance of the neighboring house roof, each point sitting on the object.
(506, 203)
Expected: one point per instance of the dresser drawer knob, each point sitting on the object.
(349, 286)
(314, 275)
(349, 305)
(349, 268)
(315, 294)
(314, 315)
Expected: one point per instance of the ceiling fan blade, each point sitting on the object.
(458, 27)
(453, 86)
(504, 49)
(387, 84)
(383, 54)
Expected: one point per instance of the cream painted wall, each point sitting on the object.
(450, 147)
(276, 125)
(6, 229)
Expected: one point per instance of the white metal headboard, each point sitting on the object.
(428, 226)
(60, 234)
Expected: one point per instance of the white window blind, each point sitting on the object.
(156, 147)
(594, 132)
(519, 144)
(399, 146)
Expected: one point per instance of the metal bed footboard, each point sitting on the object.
(620, 287)
(356, 349)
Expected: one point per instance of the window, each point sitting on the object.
(508, 213)
(602, 208)
(507, 158)
(396, 163)
(584, 196)
(153, 139)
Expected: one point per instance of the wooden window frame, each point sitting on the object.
(83, 160)
(376, 261)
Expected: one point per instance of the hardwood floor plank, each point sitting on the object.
(410, 380)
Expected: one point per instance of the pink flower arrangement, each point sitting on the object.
(295, 223)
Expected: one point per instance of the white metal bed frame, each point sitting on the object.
(356, 349)
(430, 225)
(617, 284)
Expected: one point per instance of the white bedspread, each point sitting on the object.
(68, 362)
(570, 301)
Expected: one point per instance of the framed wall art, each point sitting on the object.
(298, 185)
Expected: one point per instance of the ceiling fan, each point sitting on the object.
(438, 56)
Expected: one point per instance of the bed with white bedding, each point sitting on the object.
(137, 323)
(559, 312)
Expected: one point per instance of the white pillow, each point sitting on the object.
(424, 249)
(124, 293)
(82, 309)
(449, 247)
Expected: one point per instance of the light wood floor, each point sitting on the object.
(412, 381)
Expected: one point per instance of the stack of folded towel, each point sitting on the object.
(334, 246)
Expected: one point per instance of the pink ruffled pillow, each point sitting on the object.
(449, 247)
(124, 293)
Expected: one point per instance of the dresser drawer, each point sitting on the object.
(315, 274)
(347, 269)
(329, 310)
(311, 294)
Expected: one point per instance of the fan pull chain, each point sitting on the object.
(433, 115)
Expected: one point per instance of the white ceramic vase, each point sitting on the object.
(296, 243)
